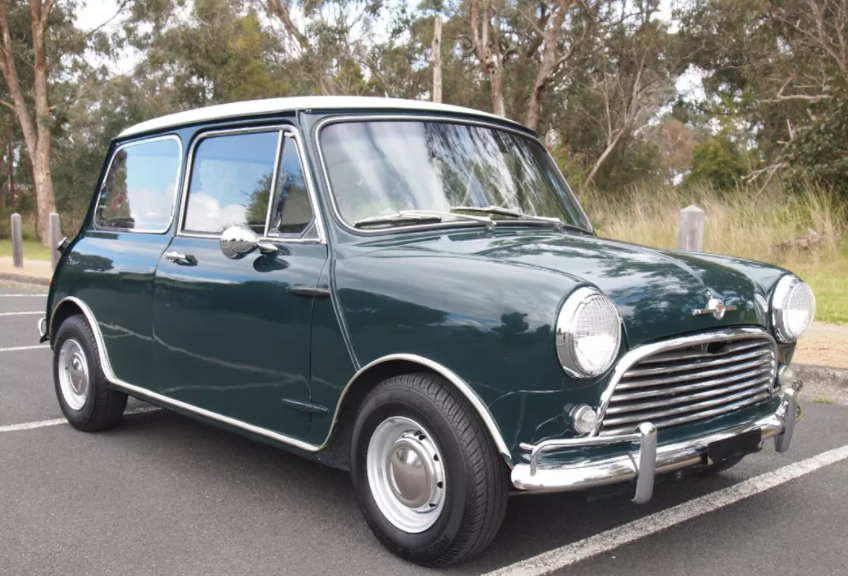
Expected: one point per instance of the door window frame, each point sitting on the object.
(179, 175)
(283, 130)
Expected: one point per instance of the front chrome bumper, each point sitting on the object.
(647, 459)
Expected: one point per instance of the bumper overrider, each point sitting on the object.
(646, 459)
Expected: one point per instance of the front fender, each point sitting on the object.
(491, 323)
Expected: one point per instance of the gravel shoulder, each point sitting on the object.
(825, 345)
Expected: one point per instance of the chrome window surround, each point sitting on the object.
(466, 390)
(640, 352)
(283, 129)
(406, 118)
(173, 199)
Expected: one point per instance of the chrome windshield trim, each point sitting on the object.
(459, 383)
(313, 197)
(99, 190)
(411, 117)
(640, 352)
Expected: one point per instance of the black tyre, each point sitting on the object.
(78, 378)
(428, 477)
(718, 468)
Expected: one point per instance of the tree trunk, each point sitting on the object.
(610, 147)
(13, 194)
(36, 131)
(534, 108)
(45, 199)
(496, 82)
(488, 51)
(436, 59)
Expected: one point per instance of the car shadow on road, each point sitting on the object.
(311, 493)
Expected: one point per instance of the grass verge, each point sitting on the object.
(33, 250)
(748, 223)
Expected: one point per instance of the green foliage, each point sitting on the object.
(717, 162)
(200, 52)
(819, 151)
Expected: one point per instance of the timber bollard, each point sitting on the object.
(691, 237)
(17, 241)
(54, 236)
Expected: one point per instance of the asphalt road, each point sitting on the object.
(163, 494)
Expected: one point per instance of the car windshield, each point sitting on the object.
(389, 173)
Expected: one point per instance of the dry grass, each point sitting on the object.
(745, 223)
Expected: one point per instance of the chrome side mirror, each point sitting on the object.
(239, 241)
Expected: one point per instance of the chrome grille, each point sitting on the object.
(686, 383)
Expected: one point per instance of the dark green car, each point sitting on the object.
(412, 292)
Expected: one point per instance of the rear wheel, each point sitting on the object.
(428, 477)
(81, 386)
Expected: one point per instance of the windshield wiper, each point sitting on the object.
(556, 222)
(397, 219)
(418, 217)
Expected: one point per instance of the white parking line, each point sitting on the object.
(605, 541)
(21, 313)
(58, 421)
(18, 348)
(23, 295)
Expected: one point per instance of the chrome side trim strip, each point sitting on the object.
(448, 374)
(636, 354)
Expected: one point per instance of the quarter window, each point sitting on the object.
(138, 191)
(231, 182)
(291, 212)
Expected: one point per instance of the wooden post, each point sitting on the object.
(53, 237)
(17, 241)
(691, 236)
(436, 59)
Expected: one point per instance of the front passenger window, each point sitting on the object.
(231, 182)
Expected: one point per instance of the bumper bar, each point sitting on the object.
(647, 460)
(42, 330)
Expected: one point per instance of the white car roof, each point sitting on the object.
(276, 105)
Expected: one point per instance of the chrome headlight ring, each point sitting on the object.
(793, 308)
(588, 333)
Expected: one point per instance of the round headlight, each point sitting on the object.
(793, 307)
(588, 333)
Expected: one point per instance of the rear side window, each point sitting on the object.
(139, 189)
(231, 182)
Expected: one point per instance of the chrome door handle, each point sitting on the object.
(179, 258)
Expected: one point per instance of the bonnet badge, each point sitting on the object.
(715, 306)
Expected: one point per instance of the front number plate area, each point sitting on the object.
(735, 446)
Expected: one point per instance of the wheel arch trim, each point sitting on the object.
(467, 391)
(476, 402)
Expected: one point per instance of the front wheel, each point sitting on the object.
(428, 477)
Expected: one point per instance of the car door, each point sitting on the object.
(232, 336)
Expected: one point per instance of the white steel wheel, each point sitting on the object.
(73, 374)
(406, 474)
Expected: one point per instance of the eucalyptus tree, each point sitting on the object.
(39, 46)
